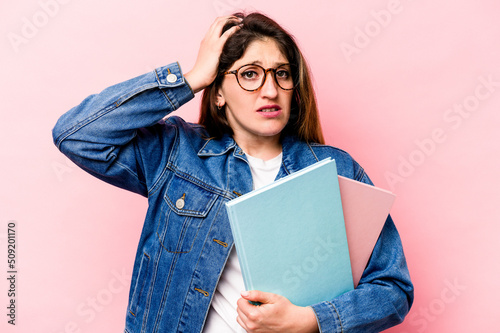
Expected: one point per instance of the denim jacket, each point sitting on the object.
(120, 137)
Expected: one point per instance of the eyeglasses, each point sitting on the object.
(252, 77)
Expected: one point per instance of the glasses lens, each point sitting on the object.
(251, 77)
(284, 76)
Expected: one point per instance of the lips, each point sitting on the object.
(269, 108)
(270, 111)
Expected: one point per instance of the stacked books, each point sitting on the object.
(309, 235)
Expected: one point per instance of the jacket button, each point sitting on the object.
(180, 202)
(171, 78)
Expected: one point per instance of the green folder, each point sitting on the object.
(290, 236)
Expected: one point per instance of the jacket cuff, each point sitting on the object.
(177, 90)
(327, 317)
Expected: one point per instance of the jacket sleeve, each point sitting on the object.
(112, 134)
(384, 294)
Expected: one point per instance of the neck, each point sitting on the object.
(264, 148)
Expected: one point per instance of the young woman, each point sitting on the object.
(258, 123)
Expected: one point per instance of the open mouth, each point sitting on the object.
(269, 108)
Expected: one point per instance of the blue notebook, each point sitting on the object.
(290, 236)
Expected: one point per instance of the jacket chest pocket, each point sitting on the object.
(187, 205)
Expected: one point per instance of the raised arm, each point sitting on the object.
(110, 134)
(101, 134)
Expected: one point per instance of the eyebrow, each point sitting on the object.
(258, 62)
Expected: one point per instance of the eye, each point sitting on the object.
(249, 74)
(282, 74)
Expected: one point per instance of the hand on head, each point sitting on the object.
(204, 70)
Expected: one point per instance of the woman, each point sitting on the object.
(258, 123)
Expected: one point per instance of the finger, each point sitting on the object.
(244, 306)
(229, 32)
(249, 315)
(259, 296)
(247, 310)
(219, 23)
(242, 323)
(242, 315)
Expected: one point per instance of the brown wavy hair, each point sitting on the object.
(304, 117)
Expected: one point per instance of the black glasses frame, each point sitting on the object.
(273, 70)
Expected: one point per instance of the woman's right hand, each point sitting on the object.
(205, 68)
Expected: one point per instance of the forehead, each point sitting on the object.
(264, 52)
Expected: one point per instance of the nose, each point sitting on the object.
(270, 87)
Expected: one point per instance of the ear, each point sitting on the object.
(220, 98)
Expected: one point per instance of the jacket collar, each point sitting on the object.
(216, 147)
(297, 154)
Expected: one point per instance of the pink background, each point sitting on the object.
(402, 86)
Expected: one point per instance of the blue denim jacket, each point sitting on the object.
(119, 136)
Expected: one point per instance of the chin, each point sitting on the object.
(272, 133)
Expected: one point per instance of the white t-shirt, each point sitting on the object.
(222, 313)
